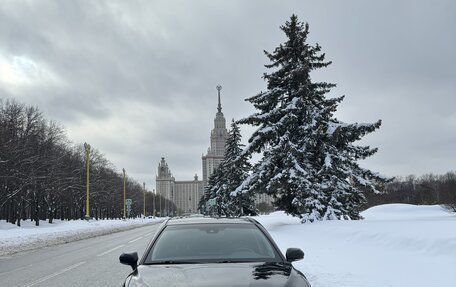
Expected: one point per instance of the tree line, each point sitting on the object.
(43, 175)
(422, 190)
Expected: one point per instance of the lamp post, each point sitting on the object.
(160, 199)
(87, 155)
(144, 200)
(124, 195)
(153, 202)
(168, 196)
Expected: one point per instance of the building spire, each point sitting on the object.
(219, 108)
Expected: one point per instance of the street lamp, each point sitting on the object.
(167, 203)
(124, 195)
(153, 202)
(160, 199)
(144, 200)
(87, 155)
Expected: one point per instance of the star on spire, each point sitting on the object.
(219, 108)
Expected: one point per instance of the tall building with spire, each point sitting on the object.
(186, 194)
(216, 150)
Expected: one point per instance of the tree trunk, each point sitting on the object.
(13, 212)
(37, 214)
(7, 212)
(20, 211)
(23, 209)
(18, 219)
(51, 215)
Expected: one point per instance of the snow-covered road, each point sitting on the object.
(88, 262)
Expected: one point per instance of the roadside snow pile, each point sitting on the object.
(396, 245)
(15, 239)
(400, 211)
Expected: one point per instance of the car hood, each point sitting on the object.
(217, 274)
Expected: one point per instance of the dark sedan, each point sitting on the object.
(213, 252)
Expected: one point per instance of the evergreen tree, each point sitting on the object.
(203, 203)
(236, 170)
(309, 162)
(219, 198)
(212, 203)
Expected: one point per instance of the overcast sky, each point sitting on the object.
(136, 79)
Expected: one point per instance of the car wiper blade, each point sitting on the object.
(233, 261)
(172, 262)
(226, 261)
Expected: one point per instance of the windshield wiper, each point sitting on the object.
(172, 262)
(234, 261)
(226, 261)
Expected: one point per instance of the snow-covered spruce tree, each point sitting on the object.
(236, 168)
(309, 162)
(210, 192)
(231, 172)
(216, 201)
(202, 202)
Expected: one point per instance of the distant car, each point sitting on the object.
(213, 252)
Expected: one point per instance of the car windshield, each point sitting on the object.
(207, 243)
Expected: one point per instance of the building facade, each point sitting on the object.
(184, 194)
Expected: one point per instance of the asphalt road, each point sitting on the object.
(89, 262)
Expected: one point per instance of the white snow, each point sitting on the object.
(28, 236)
(396, 245)
(332, 127)
(328, 161)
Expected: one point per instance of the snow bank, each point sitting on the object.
(400, 211)
(15, 239)
(396, 245)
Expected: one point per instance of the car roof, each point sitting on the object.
(208, 220)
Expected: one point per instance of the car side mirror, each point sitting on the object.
(294, 254)
(129, 259)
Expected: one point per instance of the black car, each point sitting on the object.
(213, 252)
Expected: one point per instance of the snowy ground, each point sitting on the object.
(15, 239)
(397, 245)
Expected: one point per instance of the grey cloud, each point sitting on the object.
(393, 60)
